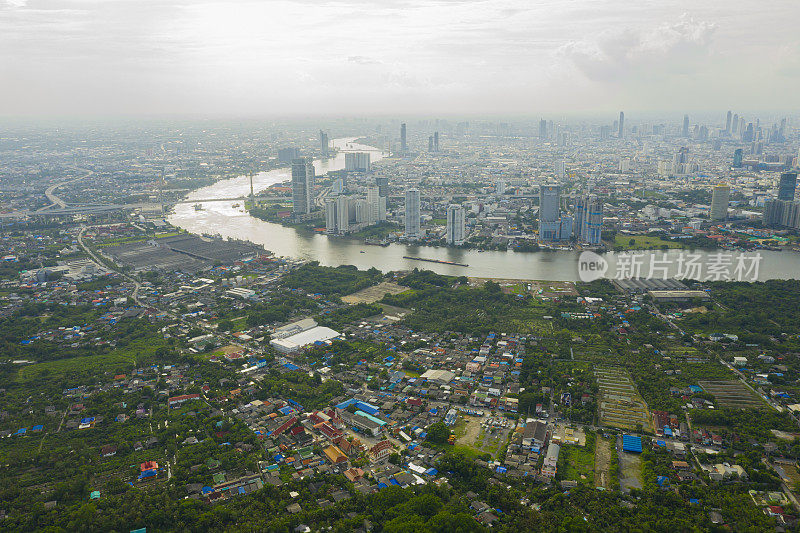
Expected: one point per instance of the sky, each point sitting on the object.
(363, 57)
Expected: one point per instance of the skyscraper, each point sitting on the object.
(430, 143)
(543, 129)
(455, 225)
(549, 213)
(376, 205)
(357, 162)
(412, 214)
(592, 230)
(737, 158)
(735, 123)
(728, 121)
(435, 141)
(323, 143)
(621, 132)
(331, 225)
(403, 143)
(383, 186)
(787, 186)
(301, 187)
(719, 202)
(685, 131)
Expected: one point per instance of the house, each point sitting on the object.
(108, 450)
(534, 436)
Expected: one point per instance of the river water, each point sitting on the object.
(220, 217)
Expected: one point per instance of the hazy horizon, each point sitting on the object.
(299, 58)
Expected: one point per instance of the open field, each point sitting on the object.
(621, 406)
(642, 242)
(374, 293)
(546, 289)
(733, 394)
(579, 463)
(630, 471)
(602, 462)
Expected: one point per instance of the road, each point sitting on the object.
(136, 285)
(54, 199)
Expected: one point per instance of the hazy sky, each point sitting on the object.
(396, 56)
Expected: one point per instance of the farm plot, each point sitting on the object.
(621, 406)
(733, 394)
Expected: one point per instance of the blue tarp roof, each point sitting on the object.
(631, 444)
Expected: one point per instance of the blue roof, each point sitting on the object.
(431, 471)
(631, 444)
(382, 485)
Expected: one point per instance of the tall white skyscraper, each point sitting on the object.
(501, 187)
(331, 219)
(455, 225)
(342, 214)
(412, 214)
(376, 205)
(719, 202)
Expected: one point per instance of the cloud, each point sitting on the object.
(17, 3)
(671, 49)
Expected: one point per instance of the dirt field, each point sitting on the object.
(602, 462)
(374, 293)
(471, 431)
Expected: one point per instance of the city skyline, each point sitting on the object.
(455, 57)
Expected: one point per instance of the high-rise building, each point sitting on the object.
(342, 214)
(782, 213)
(592, 229)
(605, 133)
(737, 158)
(500, 187)
(561, 170)
(787, 186)
(719, 202)
(621, 132)
(625, 165)
(435, 141)
(403, 139)
(735, 123)
(685, 130)
(286, 155)
(376, 205)
(323, 143)
(412, 214)
(311, 180)
(430, 143)
(728, 121)
(543, 129)
(549, 213)
(357, 162)
(331, 216)
(383, 186)
(455, 225)
(302, 187)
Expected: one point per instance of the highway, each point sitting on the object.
(54, 199)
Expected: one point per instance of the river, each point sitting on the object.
(220, 217)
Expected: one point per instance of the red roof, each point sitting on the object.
(148, 465)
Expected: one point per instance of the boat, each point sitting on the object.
(363, 252)
(198, 207)
(235, 205)
(453, 263)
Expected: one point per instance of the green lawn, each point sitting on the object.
(579, 460)
(642, 242)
